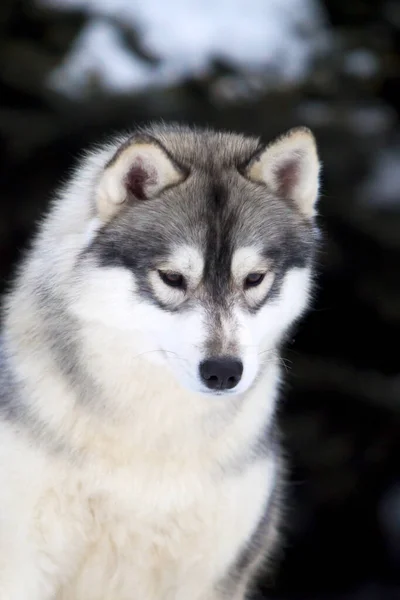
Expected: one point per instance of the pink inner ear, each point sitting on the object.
(139, 177)
(287, 176)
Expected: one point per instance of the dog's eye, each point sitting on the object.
(173, 279)
(253, 279)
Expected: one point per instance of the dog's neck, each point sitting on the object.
(121, 401)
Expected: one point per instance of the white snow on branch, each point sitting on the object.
(277, 37)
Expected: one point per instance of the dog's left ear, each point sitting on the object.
(290, 168)
(140, 170)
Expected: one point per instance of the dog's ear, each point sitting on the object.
(140, 169)
(289, 167)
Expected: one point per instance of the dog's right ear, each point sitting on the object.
(139, 170)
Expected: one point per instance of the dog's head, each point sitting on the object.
(201, 245)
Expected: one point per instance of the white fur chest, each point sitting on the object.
(156, 539)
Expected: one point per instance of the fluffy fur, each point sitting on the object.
(128, 470)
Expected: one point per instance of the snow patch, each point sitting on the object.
(277, 36)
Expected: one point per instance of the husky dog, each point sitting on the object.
(140, 368)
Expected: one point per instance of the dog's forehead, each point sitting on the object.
(186, 258)
(226, 212)
(213, 213)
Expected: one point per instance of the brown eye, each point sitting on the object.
(253, 279)
(173, 279)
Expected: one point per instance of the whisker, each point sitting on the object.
(176, 355)
(162, 351)
(286, 363)
(143, 353)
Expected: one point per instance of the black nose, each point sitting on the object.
(221, 373)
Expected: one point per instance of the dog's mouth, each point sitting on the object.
(221, 393)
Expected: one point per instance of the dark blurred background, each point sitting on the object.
(72, 71)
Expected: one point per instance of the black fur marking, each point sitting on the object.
(15, 410)
(11, 406)
(245, 164)
(64, 347)
(138, 255)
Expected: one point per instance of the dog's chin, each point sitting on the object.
(202, 390)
